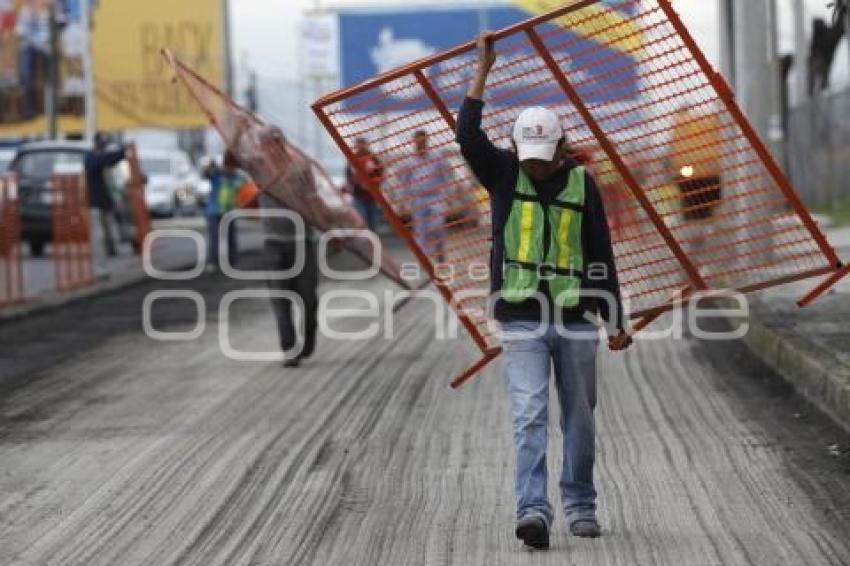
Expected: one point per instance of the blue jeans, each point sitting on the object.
(368, 209)
(429, 229)
(530, 352)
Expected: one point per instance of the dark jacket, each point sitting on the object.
(96, 163)
(497, 170)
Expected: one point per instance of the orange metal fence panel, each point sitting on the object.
(11, 268)
(72, 252)
(141, 215)
(695, 199)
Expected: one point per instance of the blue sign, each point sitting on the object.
(373, 42)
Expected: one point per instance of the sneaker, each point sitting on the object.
(533, 532)
(292, 362)
(585, 528)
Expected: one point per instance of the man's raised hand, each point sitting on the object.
(486, 59)
(486, 51)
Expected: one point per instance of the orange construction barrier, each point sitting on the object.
(11, 268)
(72, 252)
(284, 172)
(141, 216)
(620, 73)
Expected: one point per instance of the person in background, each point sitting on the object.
(428, 177)
(281, 242)
(551, 246)
(103, 222)
(33, 31)
(225, 182)
(8, 21)
(363, 200)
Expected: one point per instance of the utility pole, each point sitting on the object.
(51, 85)
(727, 40)
(229, 86)
(756, 65)
(751, 64)
(88, 72)
(847, 31)
(317, 91)
(801, 52)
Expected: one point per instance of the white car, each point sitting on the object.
(6, 157)
(171, 182)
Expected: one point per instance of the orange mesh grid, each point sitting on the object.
(141, 216)
(283, 171)
(11, 269)
(695, 200)
(71, 244)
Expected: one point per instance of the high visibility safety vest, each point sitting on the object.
(530, 258)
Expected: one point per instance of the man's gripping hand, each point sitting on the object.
(486, 51)
(620, 342)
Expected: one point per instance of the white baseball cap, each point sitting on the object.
(537, 132)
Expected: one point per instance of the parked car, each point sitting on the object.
(35, 164)
(172, 182)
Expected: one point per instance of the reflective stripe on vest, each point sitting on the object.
(528, 259)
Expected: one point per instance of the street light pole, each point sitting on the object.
(88, 72)
(801, 63)
(317, 91)
(51, 85)
(756, 64)
(727, 40)
(229, 86)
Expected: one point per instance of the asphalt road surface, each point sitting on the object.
(117, 449)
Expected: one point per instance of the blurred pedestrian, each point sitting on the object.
(103, 221)
(8, 21)
(33, 31)
(369, 163)
(428, 179)
(225, 183)
(281, 248)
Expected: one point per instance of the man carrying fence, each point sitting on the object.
(283, 237)
(552, 267)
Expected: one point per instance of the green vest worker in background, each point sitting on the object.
(552, 267)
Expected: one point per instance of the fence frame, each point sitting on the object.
(136, 188)
(718, 84)
(10, 241)
(72, 245)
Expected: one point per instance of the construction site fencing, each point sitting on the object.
(136, 188)
(11, 267)
(695, 200)
(71, 250)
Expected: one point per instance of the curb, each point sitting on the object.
(817, 374)
(54, 299)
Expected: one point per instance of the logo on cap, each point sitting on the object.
(533, 132)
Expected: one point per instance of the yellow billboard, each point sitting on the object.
(132, 84)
